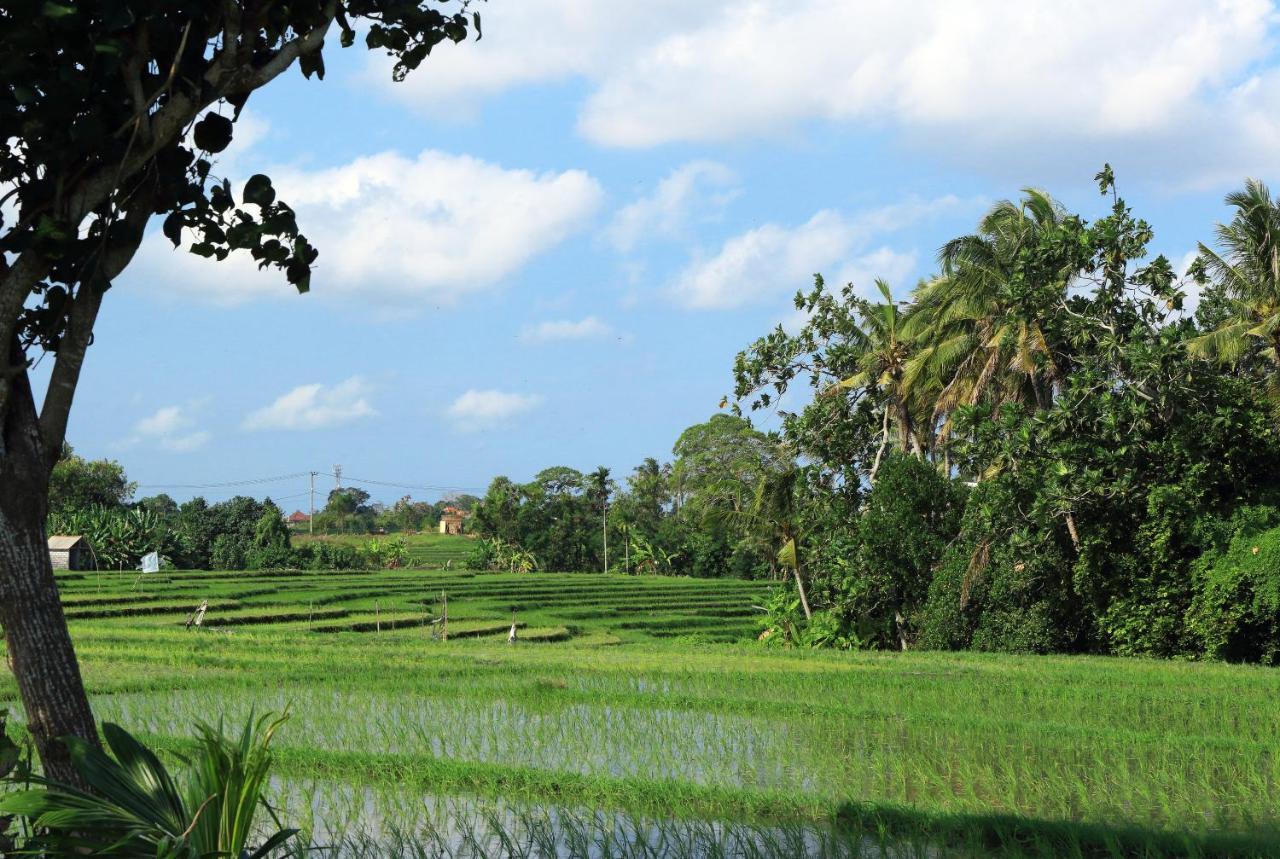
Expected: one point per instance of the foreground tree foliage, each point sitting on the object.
(1082, 475)
(111, 114)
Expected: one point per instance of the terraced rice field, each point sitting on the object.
(638, 717)
(426, 550)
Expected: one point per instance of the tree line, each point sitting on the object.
(695, 515)
(1040, 450)
(95, 499)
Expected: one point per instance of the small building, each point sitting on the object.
(297, 517)
(451, 519)
(69, 552)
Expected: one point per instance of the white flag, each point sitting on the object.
(150, 563)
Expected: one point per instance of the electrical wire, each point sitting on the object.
(228, 484)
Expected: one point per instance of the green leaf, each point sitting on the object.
(172, 227)
(213, 133)
(787, 555)
(57, 10)
(312, 64)
(258, 190)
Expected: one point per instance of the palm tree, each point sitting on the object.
(1247, 270)
(882, 368)
(774, 509)
(974, 339)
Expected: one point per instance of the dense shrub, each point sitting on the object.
(1236, 612)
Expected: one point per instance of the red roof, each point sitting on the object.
(299, 516)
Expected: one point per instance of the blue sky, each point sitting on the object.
(546, 247)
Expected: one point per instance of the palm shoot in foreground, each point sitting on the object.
(135, 808)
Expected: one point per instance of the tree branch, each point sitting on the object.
(79, 331)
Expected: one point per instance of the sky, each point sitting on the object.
(546, 247)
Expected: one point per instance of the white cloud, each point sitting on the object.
(771, 259)
(589, 328)
(992, 68)
(170, 428)
(315, 406)
(667, 212)
(481, 408)
(968, 74)
(396, 229)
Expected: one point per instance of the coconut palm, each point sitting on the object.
(882, 368)
(773, 511)
(975, 338)
(1247, 270)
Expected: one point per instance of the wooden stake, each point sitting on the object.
(444, 635)
(377, 616)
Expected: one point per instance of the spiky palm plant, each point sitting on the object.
(973, 340)
(1247, 270)
(135, 809)
(882, 368)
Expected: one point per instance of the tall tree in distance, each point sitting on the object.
(882, 368)
(111, 114)
(1246, 270)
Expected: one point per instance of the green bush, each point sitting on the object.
(910, 516)
(1236, 611)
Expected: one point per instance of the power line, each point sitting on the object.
(351, 479)
(226, 485)
(336, 474)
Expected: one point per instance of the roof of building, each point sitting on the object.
(61, 543)
(298, 516)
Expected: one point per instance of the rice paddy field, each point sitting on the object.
(637, 716)
(426, 549)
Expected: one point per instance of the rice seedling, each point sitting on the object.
(607, 730)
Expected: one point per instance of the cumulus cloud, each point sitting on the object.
(993, 72)
(589, 328)
(699, 187)
(170, 428)
(483, 408)
(398, 230)
(315, 406)
(773, 260)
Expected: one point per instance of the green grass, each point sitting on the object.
(637, 711)
(425, 549)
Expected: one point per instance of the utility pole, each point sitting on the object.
(337, 475)
(311, 520)
(604, 527)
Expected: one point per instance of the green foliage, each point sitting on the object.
(79, 484)
(118, 537)
(96, 119)
(911, 514)
(1236, 612)
(1047, 364)
(135, 808)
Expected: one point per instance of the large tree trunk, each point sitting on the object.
(38, 645)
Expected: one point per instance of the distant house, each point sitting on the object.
(69, 552)
(451, 519)
(297, 517)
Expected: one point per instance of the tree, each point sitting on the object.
(346, 502)
(98, 101)
(882, 368)
(599, 488)
(80, 484)
(270, 532)
(719, 463)
(1247, 271)
(774, 510)
(980, 330)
